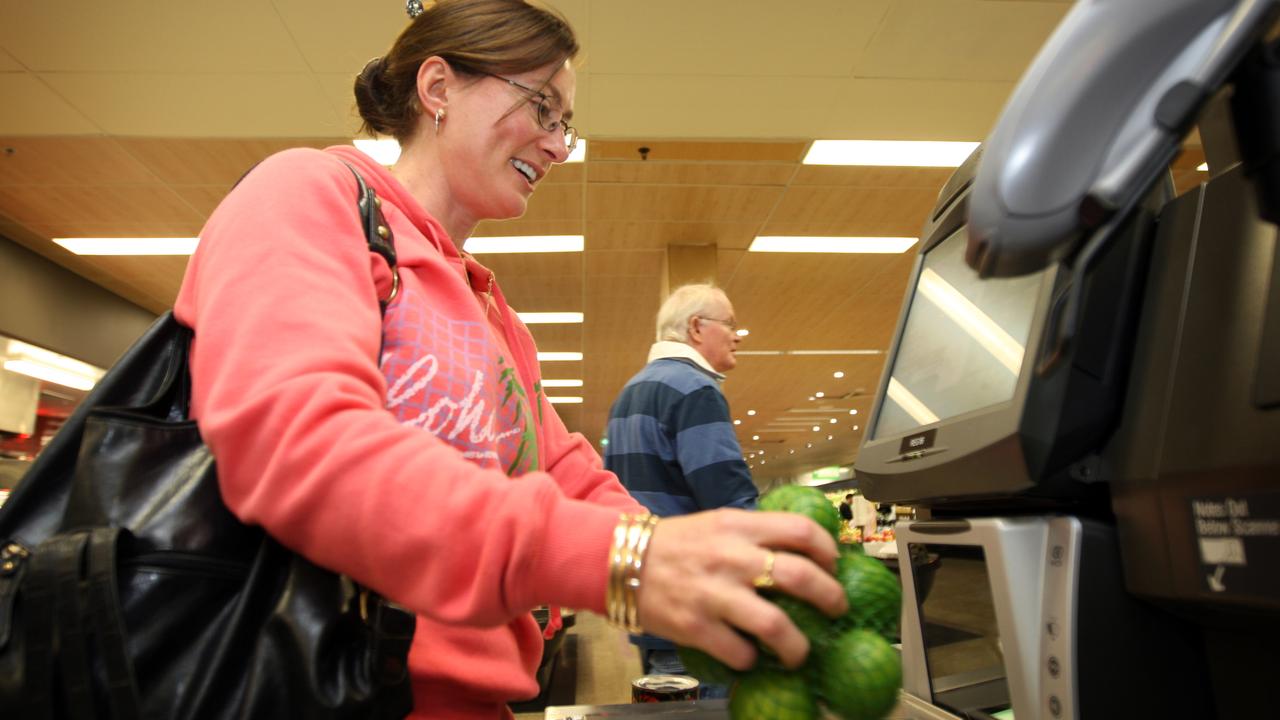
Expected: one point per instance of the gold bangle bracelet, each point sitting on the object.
(626, 560)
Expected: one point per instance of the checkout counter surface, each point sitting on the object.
(908, 708)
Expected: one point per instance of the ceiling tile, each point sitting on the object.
(34, 161)
(29, 107)
(638, 234)
(671, 173)
(620, 263)
(700, 203)
(9, 64)
(959, 39)
(867, 211)
(217, 161)
(911, 110)
(692, 106)
(520, 226)
(339, 93)
(144, 36)
(335, 36)
(102, 204)
(731, 37)
(877, 177)
(174, 105)
(758, 151)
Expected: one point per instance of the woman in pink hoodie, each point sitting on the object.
(437, 473)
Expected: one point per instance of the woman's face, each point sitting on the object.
(495, 152)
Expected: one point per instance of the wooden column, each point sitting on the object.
(686, 264)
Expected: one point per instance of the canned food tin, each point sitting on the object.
(664, 688)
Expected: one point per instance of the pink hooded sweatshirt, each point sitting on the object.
(438, 475)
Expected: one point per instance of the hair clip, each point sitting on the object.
(413, 7)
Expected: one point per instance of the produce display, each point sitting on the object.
(852, 672)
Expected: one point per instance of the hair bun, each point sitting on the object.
(371, 94)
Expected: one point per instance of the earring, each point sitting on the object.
(439, 117)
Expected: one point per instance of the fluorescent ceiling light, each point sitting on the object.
(799, 244)
(899, 153)
(757, 352)
(1203, 167)
(549, 318)
(579, 152)
(49, 366)
(384, 151)
(910, 403)
(559, 357)
(129, 246)
(561, 383)
(525, 244)
(49, 374)
(993, 338)
(565, 399)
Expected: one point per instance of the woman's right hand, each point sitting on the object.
(697, 585)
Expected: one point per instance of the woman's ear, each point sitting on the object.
(434, 78)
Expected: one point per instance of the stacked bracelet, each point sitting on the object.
(626, 560)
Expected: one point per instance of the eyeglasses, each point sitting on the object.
(731, 324)
(550, 116)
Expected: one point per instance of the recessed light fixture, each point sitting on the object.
(831, 437)
(755, 437)
(812, 398)
(896, 153)
(524, 244)
(559, 356)
(565, 399)
(808, 445)
(751, 412)
(855, 428)
(816, 428)
(791, 452)
(560, 383)
(762, 462)
(129, 246)
(819, 394)
(837, 374)
(833, 421)
(550, 318)
(743, 332)
(810, 244)
(853, 411)
(737, 422)
(1203, 167)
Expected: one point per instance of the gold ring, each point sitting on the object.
(764, 580)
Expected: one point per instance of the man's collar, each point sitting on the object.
(664, 349)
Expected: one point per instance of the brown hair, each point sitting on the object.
(475, 37)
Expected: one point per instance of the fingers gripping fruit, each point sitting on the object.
(806, 501)
(852, 671)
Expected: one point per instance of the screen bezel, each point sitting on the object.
(974, 454)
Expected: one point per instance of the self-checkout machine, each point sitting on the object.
(1084, 387)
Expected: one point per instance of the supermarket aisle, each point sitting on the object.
(606, 664)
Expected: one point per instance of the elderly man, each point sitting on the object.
(671, 440)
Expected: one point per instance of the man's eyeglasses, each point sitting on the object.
(731, 324)
(550, 116)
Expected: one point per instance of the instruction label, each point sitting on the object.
(1239, 543)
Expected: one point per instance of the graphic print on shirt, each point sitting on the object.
(448, 377)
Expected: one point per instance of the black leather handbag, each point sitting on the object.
(129, 590)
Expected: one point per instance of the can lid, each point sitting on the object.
(666, 683)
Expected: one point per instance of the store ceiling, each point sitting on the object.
(134, 118)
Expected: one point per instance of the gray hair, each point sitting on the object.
(683, 303)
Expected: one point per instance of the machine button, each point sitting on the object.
(1053, 666)
(1051, 627)
(1055, 556)
(1055, 707)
